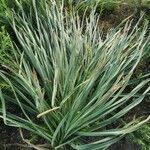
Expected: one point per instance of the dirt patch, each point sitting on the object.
(8, 136)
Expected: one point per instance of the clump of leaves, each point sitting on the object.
(70, 79)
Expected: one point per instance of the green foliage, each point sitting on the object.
(70, 80)
(139, 3)
(105, 5)
(16, 5)
(2, 13)
(145, 3)
(142, 137)
(82, 5)
(6, 52)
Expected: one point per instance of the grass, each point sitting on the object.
(70, 80)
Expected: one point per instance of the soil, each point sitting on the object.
(8, 136)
